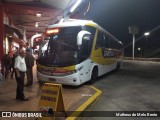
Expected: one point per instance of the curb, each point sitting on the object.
(85, 105)
(140, 61)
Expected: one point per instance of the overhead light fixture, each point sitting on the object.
(38, 15)
(146, 34)
(36, 24)
(139, 49)
(75, 6)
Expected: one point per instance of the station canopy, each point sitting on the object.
(35, 15)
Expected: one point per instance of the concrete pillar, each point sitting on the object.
(1, 34)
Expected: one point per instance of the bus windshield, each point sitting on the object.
(60, 47)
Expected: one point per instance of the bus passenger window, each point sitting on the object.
(100, 39)
(113, 43)
(106, 41)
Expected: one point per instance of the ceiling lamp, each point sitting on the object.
(38, 15)
(36, 24)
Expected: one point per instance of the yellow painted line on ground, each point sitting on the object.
(75, 114)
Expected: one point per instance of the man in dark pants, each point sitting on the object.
(12, 65)
(29, 59)
(6, 62)
(20, 69)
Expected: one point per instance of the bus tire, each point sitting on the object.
(41, 83)
(94, 75)
(118, 66)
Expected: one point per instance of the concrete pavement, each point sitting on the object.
(75, 98)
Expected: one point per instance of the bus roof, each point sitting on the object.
(78, 22)
(74, 22)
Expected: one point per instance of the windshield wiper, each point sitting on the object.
(69, 45)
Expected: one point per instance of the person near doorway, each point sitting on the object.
(29, 59)
(12, 63)
(6, 60)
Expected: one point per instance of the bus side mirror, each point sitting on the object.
(86, 37)
(80, 36)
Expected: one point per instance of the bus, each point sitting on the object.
(76, 51)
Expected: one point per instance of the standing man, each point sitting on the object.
(6, 62)
(20, 69)
(29, 59)
(12, 63)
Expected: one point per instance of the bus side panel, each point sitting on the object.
(104, 64)
(84, 70)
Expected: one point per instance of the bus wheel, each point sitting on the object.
(94, 75)
(41, 83)
(118, 66)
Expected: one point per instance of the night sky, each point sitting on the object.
(117, 15)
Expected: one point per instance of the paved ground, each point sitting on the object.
(136, 87)
(73, 97)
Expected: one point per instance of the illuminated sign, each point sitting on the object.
(52, 31)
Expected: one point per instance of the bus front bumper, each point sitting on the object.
(66, 80)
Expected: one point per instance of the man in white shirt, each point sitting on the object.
(20, 69)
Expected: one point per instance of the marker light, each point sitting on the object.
(51, 31)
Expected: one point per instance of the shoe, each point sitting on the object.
(26, 85)
(17, 98)
(24, 99)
